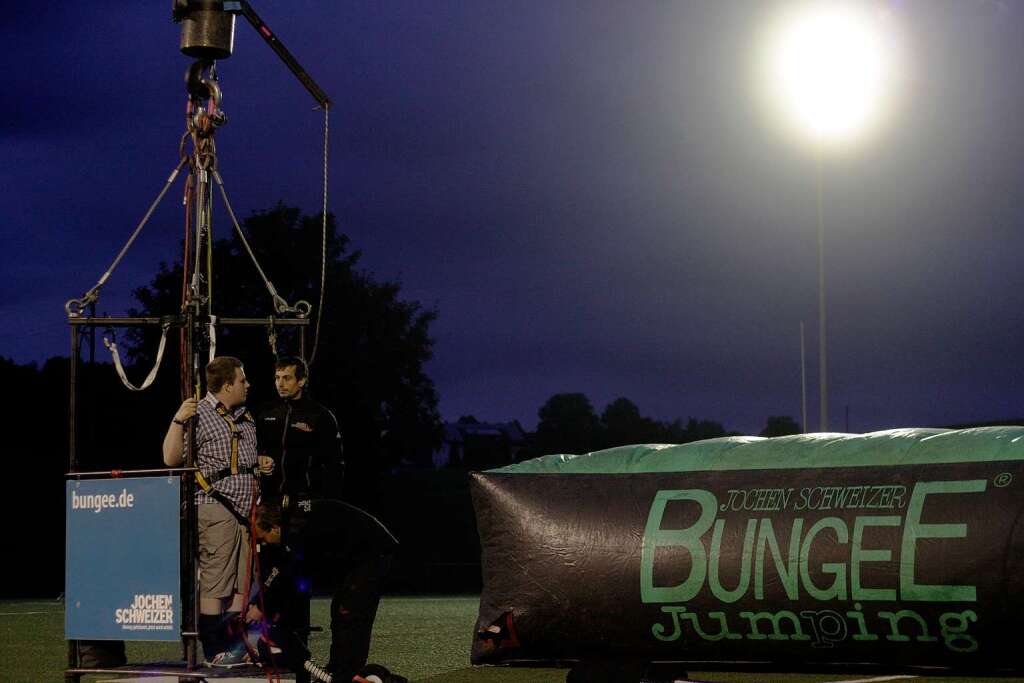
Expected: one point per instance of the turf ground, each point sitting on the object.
(424, 638)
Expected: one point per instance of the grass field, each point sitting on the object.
(424, 638)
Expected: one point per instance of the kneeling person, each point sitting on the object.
(352, 551)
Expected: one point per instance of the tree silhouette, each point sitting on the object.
(623, 425)
(780, 425)
(568, 424)
(694, 430)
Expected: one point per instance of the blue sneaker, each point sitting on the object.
(235, 657)
(239, 652)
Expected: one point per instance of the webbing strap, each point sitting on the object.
(203, 484)
(214, 477)
(152, 373)
(211, 330)
(236, 434)
(207, 487)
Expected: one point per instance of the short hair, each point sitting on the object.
(268, 516)
(301, 369)
(221, 371)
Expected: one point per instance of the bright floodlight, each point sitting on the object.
(830, 68)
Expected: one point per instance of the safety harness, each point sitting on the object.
(206, 481)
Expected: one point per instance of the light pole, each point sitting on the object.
(828, 71)
(803, 382)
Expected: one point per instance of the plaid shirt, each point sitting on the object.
(213, 440)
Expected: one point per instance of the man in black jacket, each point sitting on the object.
(303, 439)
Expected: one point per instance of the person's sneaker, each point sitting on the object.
(231, 658)
(375, 673)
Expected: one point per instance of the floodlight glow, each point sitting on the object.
(830, 68)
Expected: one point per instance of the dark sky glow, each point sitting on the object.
(589, 193)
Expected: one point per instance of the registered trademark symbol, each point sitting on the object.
(1003, 480)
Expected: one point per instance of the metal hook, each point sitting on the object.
(196, 86)
(301, 309)
(75, 307)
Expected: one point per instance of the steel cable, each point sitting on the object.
(301, 308)
(93, 294)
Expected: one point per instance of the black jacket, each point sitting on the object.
(303, 438)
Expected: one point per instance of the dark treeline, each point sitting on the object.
(569, 424)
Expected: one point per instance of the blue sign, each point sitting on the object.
(123, 560)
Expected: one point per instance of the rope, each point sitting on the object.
(183, 369)
(272, 337)
(209, 251)
(74, 306)
(152, 373)
(323, 247)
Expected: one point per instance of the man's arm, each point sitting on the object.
(174, 440)
(330, 456)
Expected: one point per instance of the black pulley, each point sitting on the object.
(207, 30)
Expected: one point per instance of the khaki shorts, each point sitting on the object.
(223, 552)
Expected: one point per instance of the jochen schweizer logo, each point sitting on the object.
(148, 612)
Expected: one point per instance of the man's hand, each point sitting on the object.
(253, 615)
(188, 409)
(174, 443)
(266, 464)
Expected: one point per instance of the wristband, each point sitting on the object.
(178, 422)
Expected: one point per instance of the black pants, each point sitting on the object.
(353, 610)
(349, 553)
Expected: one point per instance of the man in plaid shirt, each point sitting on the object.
(227, 462)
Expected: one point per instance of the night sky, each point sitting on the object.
(590, 193)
